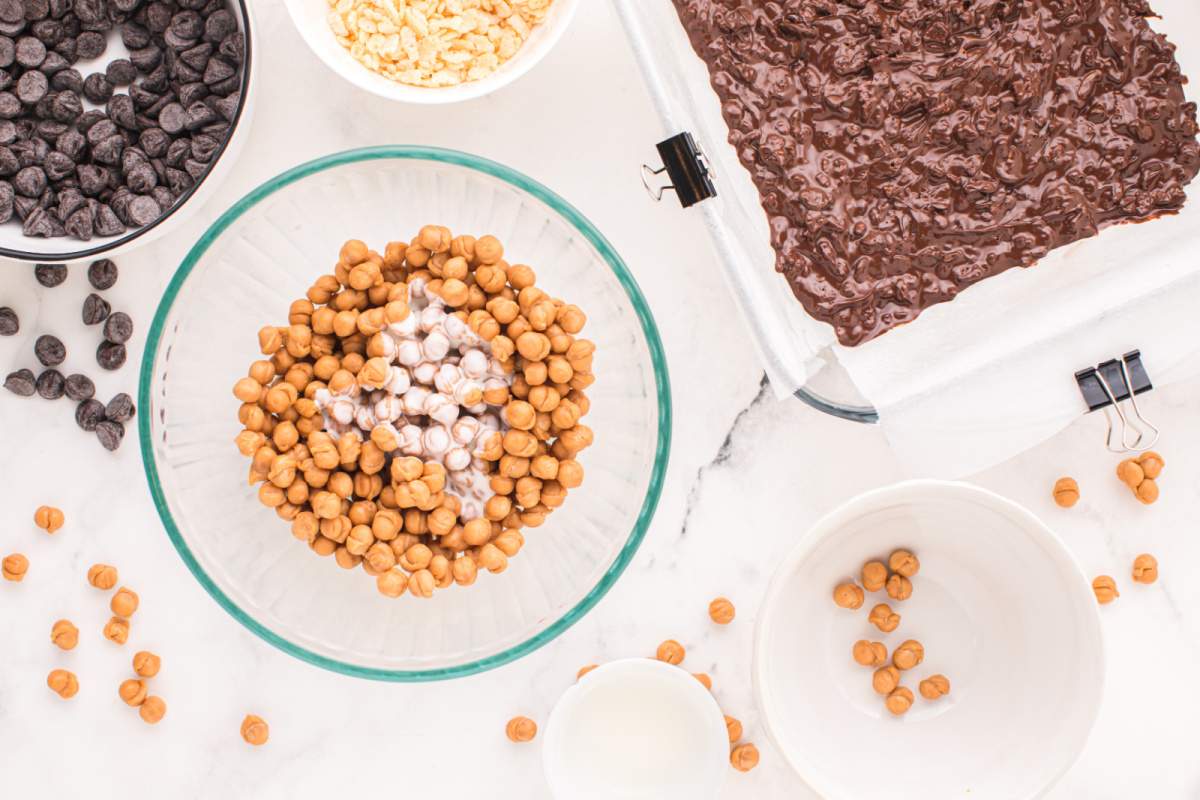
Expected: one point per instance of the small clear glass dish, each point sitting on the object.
(243, 274)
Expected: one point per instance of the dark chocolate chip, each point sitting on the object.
(58, 166)
(50, 275)
(37, 9)
(154, 142)
(107, 223)
(142, 178)
(135, 36)
(79, 388)
(97, 88)
(67, 80)
(32, 87)
(49, 350)
(120, 408)
(92, 12)
(102, 274)
(197, 57)
(95, 307)
(120, 72)
(31, 52)
(92, 179)
(10, 106)
(54, 64)
(81, 224)
(118, 328)
(143, 210)
(172, 119)
(110, 355)
(10, 323)
(121, 111)
(42, 224)
(66, 106)
(51, 384)
(89, 414)
(49, 31)
(108, 151)
(30, 182)
(21, 383)
(219, 25)
(12, 11)
(8, 131)
(90, 44)
(110, 434)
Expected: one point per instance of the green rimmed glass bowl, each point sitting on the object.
(243, 274)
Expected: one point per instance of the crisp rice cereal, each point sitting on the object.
(434, 42)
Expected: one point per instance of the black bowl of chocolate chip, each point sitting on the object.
(116, 118)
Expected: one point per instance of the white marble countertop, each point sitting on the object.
(784, 463)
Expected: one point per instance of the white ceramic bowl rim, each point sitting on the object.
(608, 254)
(132, 236)
(1052, 545)
(540, 42)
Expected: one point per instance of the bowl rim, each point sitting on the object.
(130, 237)
(585, 228)
(829, 523)
(395, 91)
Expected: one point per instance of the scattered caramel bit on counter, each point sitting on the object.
(116, 630)
(1066, 492)
(899, 701)
(255, 730)
(899, 587)
(585, 670)
(1140, 475)
(48, 518)
(64, 635)
(909, 654)
(63, 683)
(132, 691)
(885, 679)
(520, 729)
(102, 576)
(721, 611)
(1130, 473)
(704, 679)
(874, 575)
(744, 757)
(1147, 491)
(671, 652)
(1152, 464)
(884, 618)
(1145, 568)
(870, 654)
(848, 595)
(124, 602)
(152, 710)
(733, 727)
(146, 664)
(903, 562)
(934, 687)
(1105, 588)
(14, 567)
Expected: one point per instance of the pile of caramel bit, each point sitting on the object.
(390, 487)
(895, 578)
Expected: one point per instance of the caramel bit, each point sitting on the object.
(124, 603)
(671, 652)
(585, 670)
(132, 691)
(870, 654)
(14, 567)
(899, 587)
(721, 611)
(1105, 588)
(705, 681)
(899, 701)
(908, 655)
(848, 595)
(1145, 568)
(152, 710)
(146, 664)
(903, 562)
(733, 727)
(116, 630)
(744, 757)
(884, 618)
(102, 576)
(63, 683)
(255, 730)
(520, 729)
(874, 576)
(48, 518)
(1066, 492)
(934, 687)
(1140, 475)
(885, 679)
(64, 635)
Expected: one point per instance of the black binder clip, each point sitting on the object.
(1109, 386)
(686, 168)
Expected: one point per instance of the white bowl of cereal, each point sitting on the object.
(440, 464)
(431, 52)
(999, 636)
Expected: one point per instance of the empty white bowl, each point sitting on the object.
(636, 729)
(310, 18)
(1002, 609)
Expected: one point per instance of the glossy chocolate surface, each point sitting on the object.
(907, 149)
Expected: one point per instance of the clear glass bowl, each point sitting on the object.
(245, 271)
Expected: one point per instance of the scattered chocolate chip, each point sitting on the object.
(110, 355)
(49, 350)
(90, 44)
(97, 88)
(50, 275)
(110, 434)
(89, 414)
(95, 308)
(10, 323)
(51, 384)
(102, 274)
(32, 87)
(120, 72)
(31, 52)
(20, 383)
(79, 388)
(118, 328)
(120, 408)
